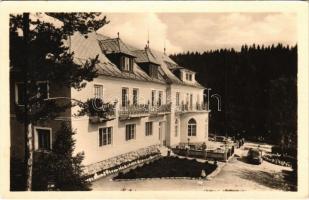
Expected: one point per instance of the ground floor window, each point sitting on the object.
(130, 131)
(176, 127)
(43, 139)
(148, 127)
(105, 136)
(192, 127)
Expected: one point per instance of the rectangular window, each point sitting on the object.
(98, 91)
(126, 63)
(148, 127)
(177, 98)
(187, 99)
(176, 127)
(105, 136)
(190, 77)
(187, 76)
(135, 96)
(154, 71)
(130, 131)
(124, 97)
(191, 130)
(191, 100)
(131, 64)
(160, 98)
(41, 87)
(43, 138)
(19, 94)
(153, 97)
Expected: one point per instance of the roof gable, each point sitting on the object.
(145, 56)
(115, 45)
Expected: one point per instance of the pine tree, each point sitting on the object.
(67, 168)
(37, 54)
(252, 72)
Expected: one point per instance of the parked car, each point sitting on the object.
(255, 156)
(220, 138)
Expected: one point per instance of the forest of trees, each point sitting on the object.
(258, 85)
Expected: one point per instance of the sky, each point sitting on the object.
(182, 32)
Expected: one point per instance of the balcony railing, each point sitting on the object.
(107, 114)
(143, 110)
(160, 109)
(198, 107)
(133, 111)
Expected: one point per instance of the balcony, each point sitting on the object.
(186, 108)
(104, 114)
(160, 110)
(143, 110)
(134, 111)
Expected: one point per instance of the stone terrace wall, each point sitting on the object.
(121, 160)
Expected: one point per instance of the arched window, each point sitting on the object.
(176, 127)
(192, 127)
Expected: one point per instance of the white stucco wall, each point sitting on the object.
(172, 138)
(201, 127)
(87, 137)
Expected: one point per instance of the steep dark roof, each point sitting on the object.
(85, 48)
(166, 63)
(115, 45)
(145, 56)
(172, 66)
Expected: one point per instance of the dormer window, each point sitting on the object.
(147, 61)
(153, 71)
(118, 53)
(126, 63)
(188, 76)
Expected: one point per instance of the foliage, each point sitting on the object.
(96, 107)
(258, 89)
(279, 159)
(45, 57)
(60, 167)
(39, 51)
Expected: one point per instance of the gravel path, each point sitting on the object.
(236, 175)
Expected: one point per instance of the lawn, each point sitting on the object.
(169, 167)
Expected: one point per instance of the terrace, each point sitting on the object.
(143, 110)
(185, 108)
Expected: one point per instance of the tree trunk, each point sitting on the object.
(27, 122)
(30, 157)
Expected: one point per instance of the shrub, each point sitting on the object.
(60, 166)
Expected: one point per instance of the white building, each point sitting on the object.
(157, 102)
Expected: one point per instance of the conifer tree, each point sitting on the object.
(37, 53)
